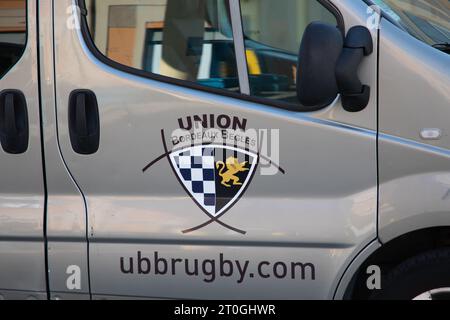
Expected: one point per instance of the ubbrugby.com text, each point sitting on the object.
(209, 270)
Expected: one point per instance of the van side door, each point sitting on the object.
(202, 174)
(22, 188)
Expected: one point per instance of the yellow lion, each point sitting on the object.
(233, 166)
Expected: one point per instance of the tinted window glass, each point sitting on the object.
(427, 20)
(273, 34)
(13, 29)
(184, 39)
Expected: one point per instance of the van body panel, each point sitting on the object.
(119, 223)
(414, 172)
(66, 212)
(131, 213)
(22, 192)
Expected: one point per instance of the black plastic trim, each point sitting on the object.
(358, 44)
(337, 14)
(17, 142)
(319, 53)
(84, 122)
(192, 85)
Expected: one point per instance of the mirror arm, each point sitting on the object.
(358, 44)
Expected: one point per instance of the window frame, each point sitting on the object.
(242, 70)
(386, 16)
(239, 46)
(25, 44)
(389, 18)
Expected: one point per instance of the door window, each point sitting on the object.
(13, 33)
(188, 40)
(273, 33)
(192, 40)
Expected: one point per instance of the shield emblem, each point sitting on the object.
(214, 176)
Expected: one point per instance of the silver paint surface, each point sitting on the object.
(22, 254)
(323, 210)
(414, 173)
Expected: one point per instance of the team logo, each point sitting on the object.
(215, 176)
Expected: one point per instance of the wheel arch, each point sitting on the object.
(389, 255)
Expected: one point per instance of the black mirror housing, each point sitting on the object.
(320, 50)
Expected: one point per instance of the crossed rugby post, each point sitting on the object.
(212, 219)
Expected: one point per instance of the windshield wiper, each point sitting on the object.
(445, 47)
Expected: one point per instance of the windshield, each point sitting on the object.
(427, 20)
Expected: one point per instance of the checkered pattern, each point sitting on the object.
(196, 168)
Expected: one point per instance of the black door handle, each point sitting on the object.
(84, 122)
(14, 132)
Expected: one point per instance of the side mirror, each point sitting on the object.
(328, 65)
(320, 50)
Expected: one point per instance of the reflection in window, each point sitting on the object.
(13, 29)
(184, 39)
(427, 20)
(273, 35)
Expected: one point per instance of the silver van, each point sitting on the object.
(225, 149)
